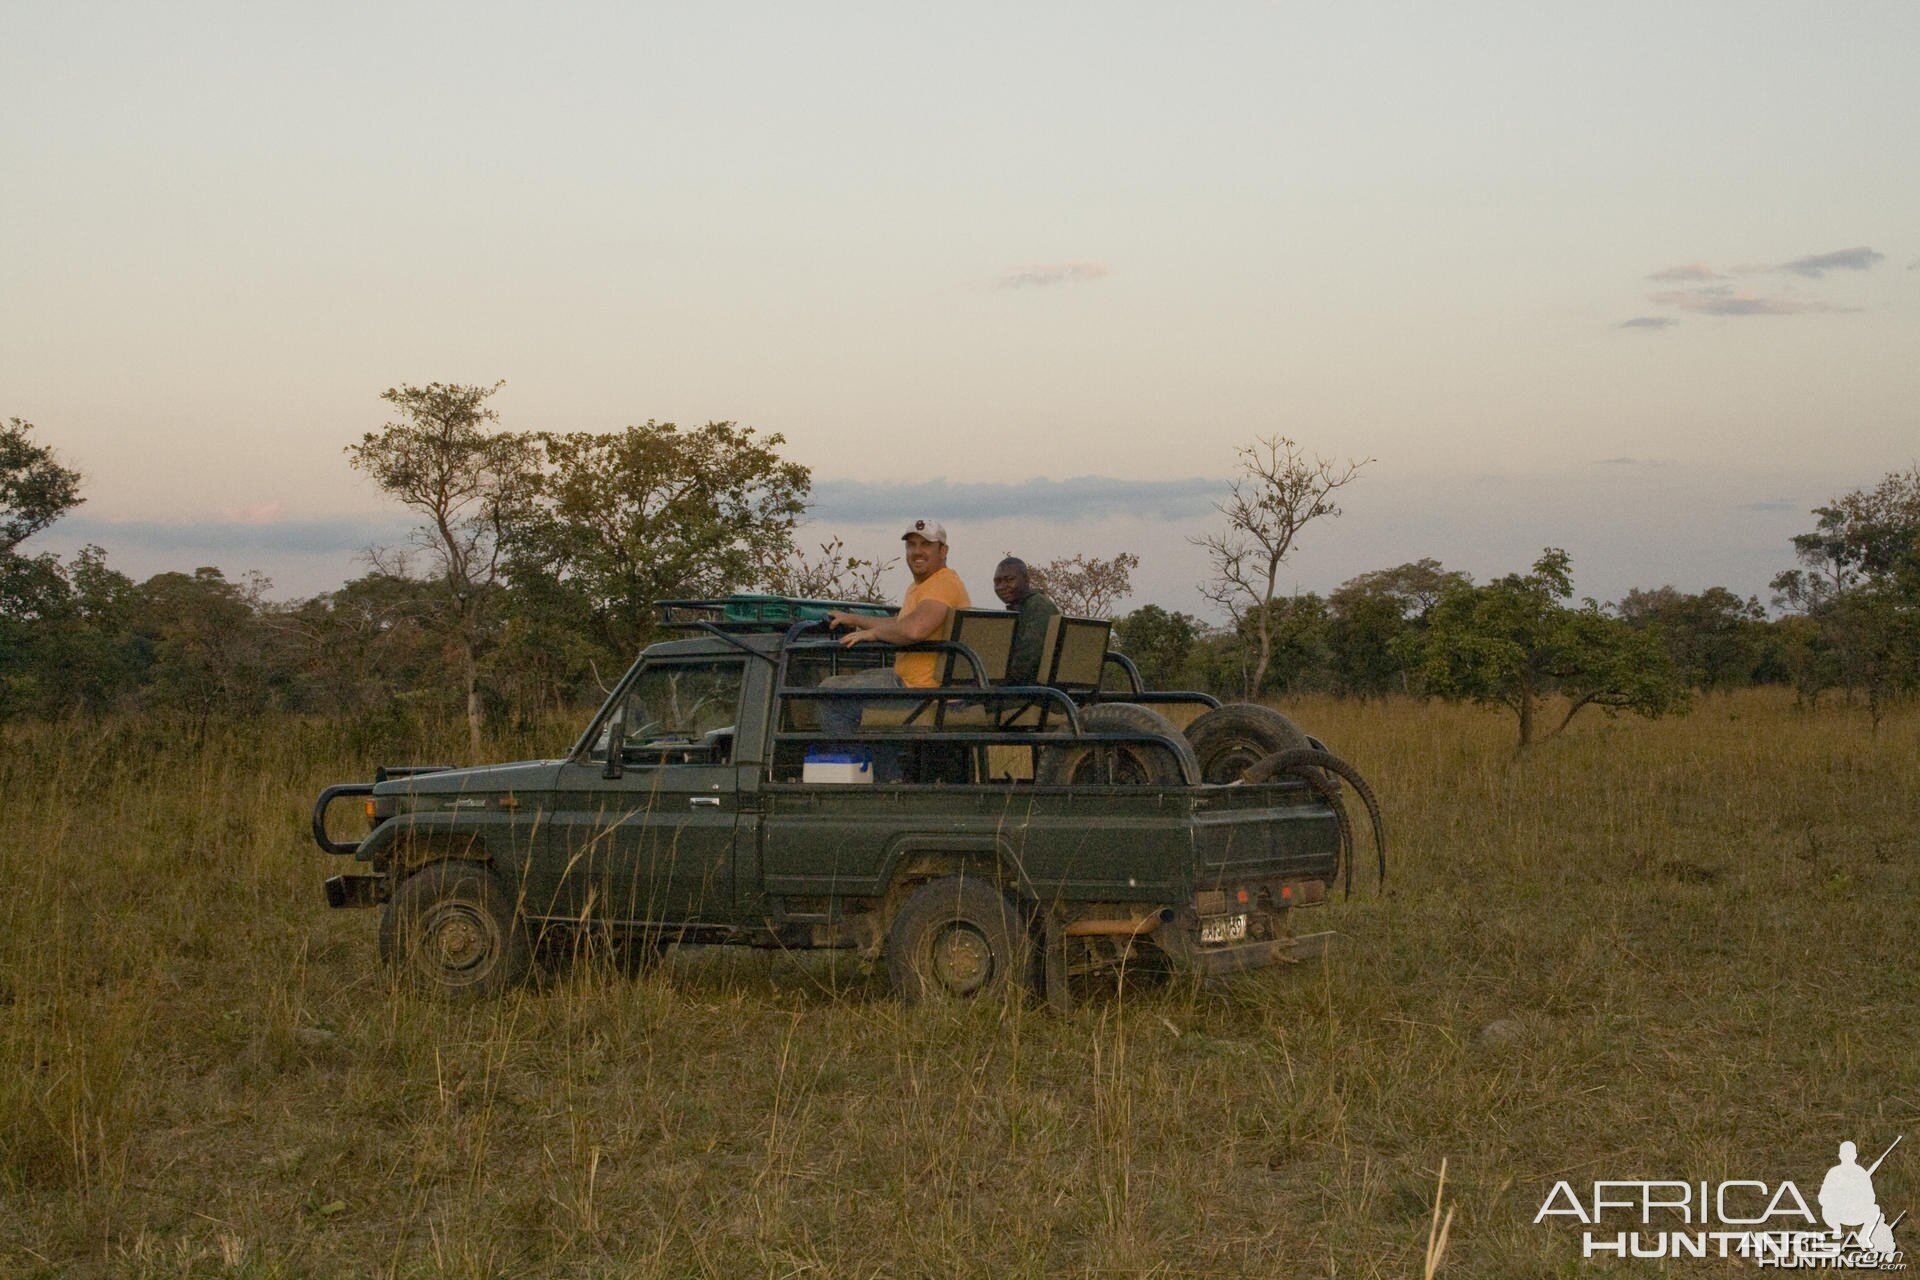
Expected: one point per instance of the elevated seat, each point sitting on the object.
(989, 633)
(1081, 655)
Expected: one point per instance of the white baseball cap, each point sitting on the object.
(931, 530)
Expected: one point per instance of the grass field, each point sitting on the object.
(1678, 949)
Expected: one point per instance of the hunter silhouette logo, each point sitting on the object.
(1768, 1224)
(1847, 1200)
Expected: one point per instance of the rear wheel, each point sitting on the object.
(1228, 740)
(1128, 764)
(957, 938)
(449, 931)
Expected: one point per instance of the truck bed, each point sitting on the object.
(1149, 845)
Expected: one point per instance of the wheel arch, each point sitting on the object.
(915, 858)
(405, 844)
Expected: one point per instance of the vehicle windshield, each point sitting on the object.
(679, 704)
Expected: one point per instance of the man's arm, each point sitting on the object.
(921, 622)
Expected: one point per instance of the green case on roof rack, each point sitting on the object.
(747, 610)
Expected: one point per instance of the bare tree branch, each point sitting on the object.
(1277, 492)
(1086, 586)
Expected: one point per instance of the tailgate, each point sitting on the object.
(1267, 832)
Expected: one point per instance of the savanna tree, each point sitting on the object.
(1859, 582)
(1159, 642)
(467, 484)
(1277, 491)
(1515, 643)
(1715, 638)
(1086, 586)
(35, 490)
(1368, 615)
(653, 512)
(832, 575)
(1296, 628)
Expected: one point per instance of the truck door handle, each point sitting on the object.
(704, 802)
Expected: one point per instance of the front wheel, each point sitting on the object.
(449, 931)
(957, 938)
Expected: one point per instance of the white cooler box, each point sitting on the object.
(837, 766)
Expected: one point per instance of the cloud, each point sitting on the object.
(1648, 322)
(1769, 504)
(254, 532)
(1816, 265)
(1044, 275)
(1724, 300)
(257, 512)
(1686, 272)
(1055, 501)
(298, 537)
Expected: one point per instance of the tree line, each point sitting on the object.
(528, 583)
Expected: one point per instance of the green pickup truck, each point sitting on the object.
(980, 837)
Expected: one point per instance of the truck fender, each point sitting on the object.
(412, 840)
(922, 856)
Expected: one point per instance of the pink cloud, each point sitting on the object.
(257, 513)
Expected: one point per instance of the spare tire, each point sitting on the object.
(1227, 740)
(1139, 763)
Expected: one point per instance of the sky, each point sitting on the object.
(1639, 281)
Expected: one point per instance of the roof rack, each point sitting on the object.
(748, 612)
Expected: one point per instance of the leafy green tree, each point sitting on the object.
(1370, 613)
(1859, 582)
(1215, 663)
(1086, 586)
(1295, 636)
(548, 656)
(467, 484)
(1159, 642)
(1716, 639)
(35, 490)
(654, 512)
(34, 607)
(1515, 643)
(206, 643)
(1866, 538)
(365, 648)
(103, 657)
(832, 575)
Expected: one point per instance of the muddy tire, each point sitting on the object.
(449, 931)
(1140, 764)
(958, 938)
(1230, 739)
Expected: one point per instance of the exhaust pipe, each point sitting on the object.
(1120, 928)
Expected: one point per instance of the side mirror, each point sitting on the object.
(616, 746)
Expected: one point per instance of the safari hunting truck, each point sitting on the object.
(977, 838)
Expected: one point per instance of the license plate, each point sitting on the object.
(1223, 928)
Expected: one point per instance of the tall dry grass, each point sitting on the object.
(1681, 948)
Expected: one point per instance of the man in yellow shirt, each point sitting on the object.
(926, 613)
